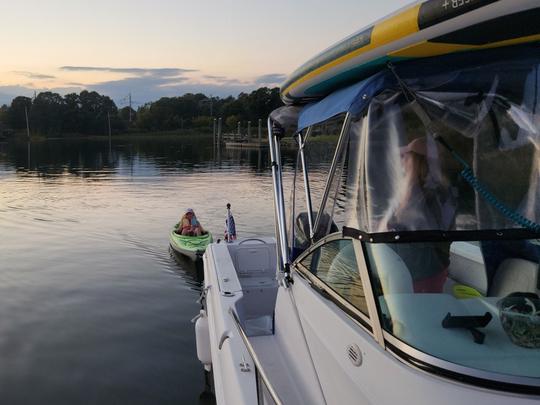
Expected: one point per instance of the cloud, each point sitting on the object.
(6, 99)
(271, 79)
(8, 93)
(32, 75)
(144, 89)
(158, 72)
(148, 84)
(223, 80)
(216, 78)
(15, 90)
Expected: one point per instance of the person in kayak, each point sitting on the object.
(189, 225)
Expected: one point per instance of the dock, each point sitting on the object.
(249, 144)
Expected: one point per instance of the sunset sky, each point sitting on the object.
(168, 47)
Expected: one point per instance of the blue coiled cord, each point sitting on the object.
(468, 175)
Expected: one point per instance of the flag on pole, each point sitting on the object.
(230, 227)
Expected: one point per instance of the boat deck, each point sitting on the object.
(278, 369)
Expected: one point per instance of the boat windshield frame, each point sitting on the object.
(446, 369)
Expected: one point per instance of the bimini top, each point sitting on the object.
(426, 74)
(474, 121)
(423, 29)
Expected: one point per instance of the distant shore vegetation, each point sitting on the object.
(90, 113)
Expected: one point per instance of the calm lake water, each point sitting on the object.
(94, 307)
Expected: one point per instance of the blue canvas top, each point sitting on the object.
(349, 99)
(356, 98)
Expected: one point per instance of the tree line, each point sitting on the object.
(89, 113)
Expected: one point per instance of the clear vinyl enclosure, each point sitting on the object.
(439, 176)
(472, 164)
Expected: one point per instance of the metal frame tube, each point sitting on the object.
(292, 200)
(275, 194)
(282, 213)
(369, 294)
(301, 143)
(279, 201)
(339, 148)
(256, 361)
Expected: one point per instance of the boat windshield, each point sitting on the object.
(473, 304)
(317, 153)
(443, 185)
(438, 174)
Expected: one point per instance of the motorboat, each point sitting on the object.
(412, 276)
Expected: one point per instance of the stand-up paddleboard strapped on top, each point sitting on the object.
(423, 29)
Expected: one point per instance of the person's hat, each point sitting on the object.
(189, 210)
(417, 146)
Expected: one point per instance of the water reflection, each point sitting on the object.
(192, 271)
(91, 298)
(86, 157)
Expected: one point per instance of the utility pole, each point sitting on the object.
(130, 107)
(109, 121)
(110, 142)
(219, 128)
(27, 124)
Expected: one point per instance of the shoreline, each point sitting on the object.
(22, 137)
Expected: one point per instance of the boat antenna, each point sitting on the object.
(467, 172)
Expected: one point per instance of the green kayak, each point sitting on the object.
(190, 246)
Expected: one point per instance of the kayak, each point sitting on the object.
(190, 246)
(427, 28)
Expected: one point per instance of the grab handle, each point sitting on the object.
(255, 239)
(224, 336)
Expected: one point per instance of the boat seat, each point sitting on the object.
(466, 268)
(515, 275)
(393, 273)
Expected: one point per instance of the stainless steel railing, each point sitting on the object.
(256, 361)
(279, 201)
